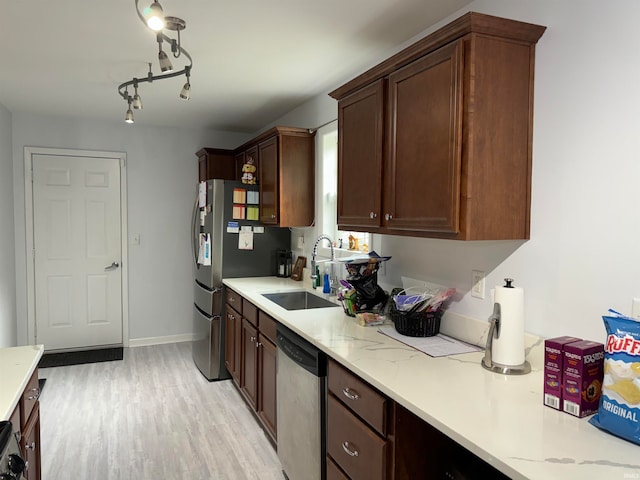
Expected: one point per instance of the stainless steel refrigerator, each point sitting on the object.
(221, 230)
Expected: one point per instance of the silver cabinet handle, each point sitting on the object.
(32, 446)
(113, 266)
(252, 339)
(351, 453)
(350, 393)
(372, 215)
(388, 216)
(33, 397)
(258, 344)
(273, 215)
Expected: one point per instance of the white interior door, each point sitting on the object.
(77, 251)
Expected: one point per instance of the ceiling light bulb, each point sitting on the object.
(129, 116)
(165, 63)
(186, 91)
(155, 17)
(137, 102)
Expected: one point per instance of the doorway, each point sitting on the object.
(76, 237)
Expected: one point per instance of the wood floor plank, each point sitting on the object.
(151, 415)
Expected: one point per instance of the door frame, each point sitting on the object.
(29, 152)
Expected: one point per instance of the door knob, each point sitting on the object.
(113, 266)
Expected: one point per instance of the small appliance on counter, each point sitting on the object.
(505, 342)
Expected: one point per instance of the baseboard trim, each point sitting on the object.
(145, 342)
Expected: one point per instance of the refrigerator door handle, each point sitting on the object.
(194, 237)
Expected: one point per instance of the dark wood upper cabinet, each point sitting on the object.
(436, 140)
(215, 163)
(285, 158)
(360, 135)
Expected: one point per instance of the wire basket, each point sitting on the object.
(417, 324)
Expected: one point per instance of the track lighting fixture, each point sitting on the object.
(153, 17)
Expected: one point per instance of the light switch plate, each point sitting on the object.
(477, 283)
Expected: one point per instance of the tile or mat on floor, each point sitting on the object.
(77, 358)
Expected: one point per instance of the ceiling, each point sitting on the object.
(253, 60)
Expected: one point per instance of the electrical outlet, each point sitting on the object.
(635, 308)
(477, 283)
(300, 242)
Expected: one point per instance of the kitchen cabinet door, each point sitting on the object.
(267, 388)
(360, 134)
(215, 163)
(269, 182)
(30, 444)
(249, 363)
(424, 109)
(232, 320)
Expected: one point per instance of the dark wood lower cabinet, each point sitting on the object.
(249, 364)
(30, 443)
(25, 420)
(267, 354)
(251, 357)
(232, 322)
(360, 452)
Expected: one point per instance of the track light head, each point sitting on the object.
(165, 63)
(186, 91)
(155, 16)
(129, 116)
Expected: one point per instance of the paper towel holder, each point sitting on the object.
(494, 331)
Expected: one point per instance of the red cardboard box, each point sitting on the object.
(553, 357)
(583, 369)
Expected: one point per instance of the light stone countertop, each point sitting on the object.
(499, 418)
(17, 364)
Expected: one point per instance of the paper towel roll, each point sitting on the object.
(508, 349)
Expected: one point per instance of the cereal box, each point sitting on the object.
(553, 354)
(583, 369)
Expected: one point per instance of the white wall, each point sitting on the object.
(584, 253)
(162, 176)
(7, 258)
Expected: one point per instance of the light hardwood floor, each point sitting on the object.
(150, 416)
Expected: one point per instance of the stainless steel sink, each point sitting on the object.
(298, 300)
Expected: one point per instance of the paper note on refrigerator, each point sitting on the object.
(253, 212)
(253, 197)
(202, 194)
(204, 250)
(239, 212)
(239, 195)
(245, 240)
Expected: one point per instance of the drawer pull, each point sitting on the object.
(350, 393)
(32, 446)
(351, 453)
(34, 397)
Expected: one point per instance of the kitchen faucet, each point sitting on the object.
(332, 277)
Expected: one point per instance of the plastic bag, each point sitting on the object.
(619, 409)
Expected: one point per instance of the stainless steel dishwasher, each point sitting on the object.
(301, 393)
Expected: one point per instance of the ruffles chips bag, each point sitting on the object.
(619, 409)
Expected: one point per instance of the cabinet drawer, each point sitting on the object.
(360, 397)
(250, 312)
(334, 472)
(29, 398)
(234, 300)
(353, 445)
(267, 326)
